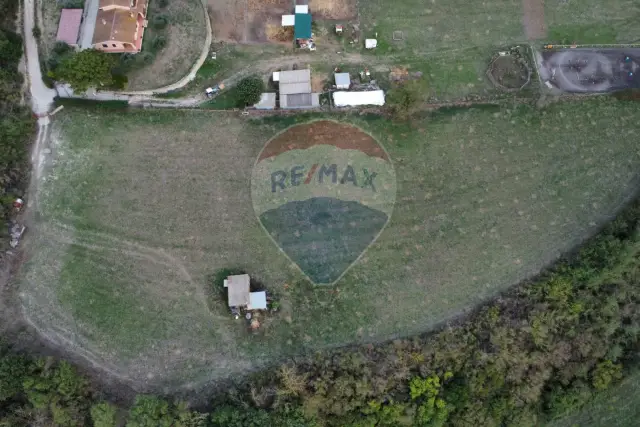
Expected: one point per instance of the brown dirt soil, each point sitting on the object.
(334, 9)
(247, 21)
(318, 80)
(323, 132)
(533, 19)
(507, 71)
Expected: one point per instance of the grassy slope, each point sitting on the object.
(148, 203)
(185, 36)
(617, 407)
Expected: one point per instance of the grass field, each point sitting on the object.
(617, 407)
(437, 25)
(592, 21)
(142, 207)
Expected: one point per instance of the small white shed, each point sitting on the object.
(354, 99)
(288, 20)
(302, 8)
(370, 43)
(257, 301)
(343, 80)
(237, 290)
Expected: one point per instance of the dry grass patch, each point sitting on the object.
(334, 9)
(185, 34)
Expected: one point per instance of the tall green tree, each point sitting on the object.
(85, 69)
(249, 90)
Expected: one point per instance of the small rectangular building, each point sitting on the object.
(267, 101)
(238, 290)
(343, 80)
(257, 301)
(69, 26)
(354, 99)
(300, 101)
(294, 81)
(302, 8)
(288, 20)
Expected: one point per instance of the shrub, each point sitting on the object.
(606, 373)
(160, 22)
(60, 48)
(404, 99)
(36, 32)
(103, 414)
(13, 370)
(159, 42)
(163, 3)
(249, 90)
(147, 57)
(150, 411)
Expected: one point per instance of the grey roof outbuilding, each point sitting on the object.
(238, 290)
(295, 81)
(343, 80)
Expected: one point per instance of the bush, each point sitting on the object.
(72, 4)
(160, 22)
(147, 57)
(13, 370)
(60, 48)
(249, 90)
(36, 32)
(103, 414)
(163, 3)
(150, 411)
(404, 99)
(159, 42)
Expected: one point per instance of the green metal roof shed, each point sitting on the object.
(302, 26)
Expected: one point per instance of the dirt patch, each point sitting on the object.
(509, 72)
(275, 32)
(249, 21)
(318, 81)
(334, 9)
(533, 19)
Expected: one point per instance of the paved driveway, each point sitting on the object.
(88, 23)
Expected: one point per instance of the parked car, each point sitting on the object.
(210, 91)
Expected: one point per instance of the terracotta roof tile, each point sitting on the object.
(69, 26)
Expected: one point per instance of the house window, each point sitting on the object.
(105, 45)
(113, 44)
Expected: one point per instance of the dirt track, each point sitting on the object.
(533, 19)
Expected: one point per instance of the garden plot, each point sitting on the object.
(142, 207)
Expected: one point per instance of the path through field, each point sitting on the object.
(533, 19)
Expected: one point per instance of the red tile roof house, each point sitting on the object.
(120, 26)
(69, 26)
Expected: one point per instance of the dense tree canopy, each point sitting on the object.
(249, 90)
(16, 122)
(85, 69)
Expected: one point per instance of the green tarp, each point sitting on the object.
(303, 26)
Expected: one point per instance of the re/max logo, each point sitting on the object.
(325, 173)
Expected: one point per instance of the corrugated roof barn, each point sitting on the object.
(295, 81)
